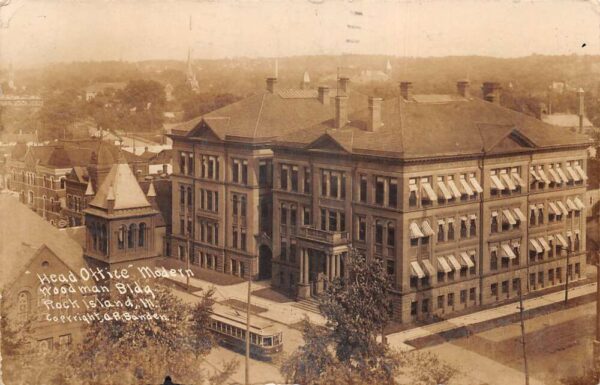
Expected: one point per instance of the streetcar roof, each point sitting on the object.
(237, 318)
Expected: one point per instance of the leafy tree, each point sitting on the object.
(139, 93)
(58, 114)
(198, 104)
(428, 369)
(357, 309)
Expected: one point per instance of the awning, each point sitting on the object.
(534, 174)
(581, 172)
(544, 244)
(454, 189)
(532, 207)
(508, 251)
(562, 240)
(443, 265)
(453, 262)
(429, 191)
(573, 174)
(561, 173)
(415, 231)
(412, 187)
(569, 234)
(496, 183)
(517, 178)
(540, 206)
(463, 218)
(508, 181)
(476, 185)
(445, 192)
(571, 205)
(465, 260)
(494, 214)
(555, 210)
(520, 214)
(415, 270)
(562, 207)
(429, 269)
(441, 222)
(579, 203)
(543, 176)
(509, 217)
(426, 227)
(555, 176)
(536, 246)
(473, 217)
(466, 187)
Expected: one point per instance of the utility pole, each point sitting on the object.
(188, 263)
(597, 341)
(567, 276)
(248, 332)
(523, 334)
(1, 381)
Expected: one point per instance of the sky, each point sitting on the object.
(37, 32)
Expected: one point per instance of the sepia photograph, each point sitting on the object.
(311, 192)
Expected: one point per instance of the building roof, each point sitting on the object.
(121, 186)
(566, 120)
(23, 233)
(162, 198)
(434, 126)
(267, 115)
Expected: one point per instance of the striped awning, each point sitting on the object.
(509, 217)
(563, 208)
(443, 265)
(444, 189)
(496, 183)
(426, 227)
(554, 176)
(562, 175)
(534, 174)
(573, 174)
(453, 262)
(466, 187)
(475, 184)
(555, 210)
(454, 189)
(580, 172)
(415, 270)
(536, 246)
(429, 191)
(579, 203)
(562, 240)
(508, 181)
(429, 269)
(415, 231)
(465, 260)
(508, 251)
(517, 178)
(543, 176)
(520, 214)
(544, 244)
(571, 205)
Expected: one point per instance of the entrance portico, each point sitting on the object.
(322, 255)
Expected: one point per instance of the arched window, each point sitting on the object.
(190, 199)
(24, 306)
(121, 233)
(142, 235)
(131, 236)
(62, 183)
(103, 239)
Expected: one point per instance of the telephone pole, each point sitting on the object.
(248, 332)
(597, 341)
(523, 334)
(188, 263)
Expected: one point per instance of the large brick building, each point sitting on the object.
(462, 199)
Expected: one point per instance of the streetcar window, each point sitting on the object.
(268, 341)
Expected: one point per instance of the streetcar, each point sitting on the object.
(229, 325)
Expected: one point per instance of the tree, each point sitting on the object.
(139, 94)
(357, 308)
(144, 351)
(59, 112)
(428, 369)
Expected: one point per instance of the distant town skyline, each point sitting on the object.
(37, 32)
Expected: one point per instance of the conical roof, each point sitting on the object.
(121, 187)
(89, 191)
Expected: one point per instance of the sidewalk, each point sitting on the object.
(282, 312)
(399, 340)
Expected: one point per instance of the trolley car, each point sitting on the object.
(230, 327)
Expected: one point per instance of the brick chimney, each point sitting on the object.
(341, 111)
(374, 114)
(491, 92)
(271, 85)
(324, 94)
(406, 90)
(462, 86)
(343, 82)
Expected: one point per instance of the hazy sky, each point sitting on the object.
(40, 31)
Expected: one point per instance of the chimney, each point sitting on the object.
(491, 92)
(324, 95)
(343, 84)
(462, 86)
(374, 114)
(406, 90)
(271, 85)
(341, 111)
(581, 109)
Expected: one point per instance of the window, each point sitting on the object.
(494, 290)
(363, 189)
(473, 227)
(190, 168)
(243, 240)
(234, 239)
(121, 237)
(131, 236)
(393, 193)
(182, 195)
(283, 249)
(440, 301)
(379, 190)
(306, 216)
(391, 235)
(412, 196)
(413, 308)
(362, 229)
(540, 215)
(142, 234)
(463, 228)
(378, 233)
(463, 296)
(541, 278)
(494, 224)
(472, 294)
(24, 306)
(284, 177)
(295, 178)
(190, 199)
(182, 162)
(532, 216)
(283, 215)
(262, 173)
(440, 233)
(450, 299)
(425, 305)
(245, 172)
(235, 171)
(390, 267)
(505, 287)
(493, 259)
(293, 215)
(450, 230)
(307, 180)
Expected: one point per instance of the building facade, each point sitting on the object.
(464, 201)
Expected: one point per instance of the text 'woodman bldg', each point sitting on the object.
(462, 199)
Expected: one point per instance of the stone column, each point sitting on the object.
(301, 266)
(337, 265)
(303, 287)
(306, 267)
(328, 266)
